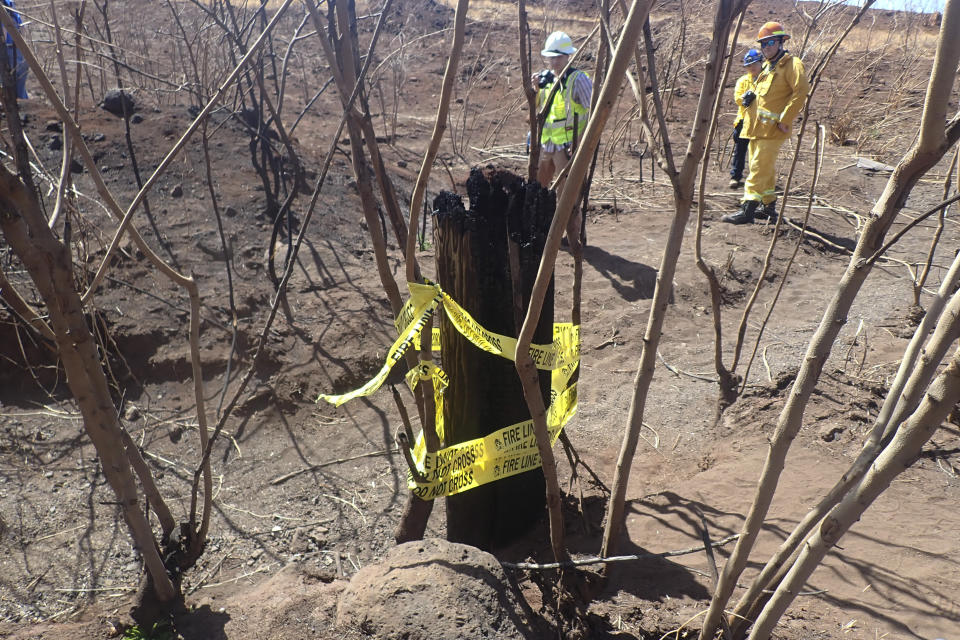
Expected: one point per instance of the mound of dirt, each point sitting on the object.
(434, 589)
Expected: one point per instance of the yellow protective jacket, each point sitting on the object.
(744, 84)
(781, 93)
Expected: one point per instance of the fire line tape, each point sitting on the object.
(548, 357)
(562, 353)
(430, 371)
(418, 318)
(503, 453)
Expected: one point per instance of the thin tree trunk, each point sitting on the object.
(417, 511)
(66, 179)
(50, 266)
(922, 278)
(578, 169)
(22, 308)
(361, 118)
(727, 380)
(343, 67)
(48, 262)
(347, 65)
(439, 126)
(125, 217)
(940, 399)
(387, 192)
(683, 200)
(903, 397)
(528, 91)
(150, 490)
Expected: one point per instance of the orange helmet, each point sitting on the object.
(772, 30)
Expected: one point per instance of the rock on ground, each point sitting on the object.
(116, 100)
(434, 589)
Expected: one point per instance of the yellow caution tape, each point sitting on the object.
(547, 357)
(421, 295)
(423, 309)
(424, 298)
(563, 402)
(426, 370)
(503, 453)
(564, 352)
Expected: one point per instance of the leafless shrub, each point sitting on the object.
(45, 254)
(842, 128)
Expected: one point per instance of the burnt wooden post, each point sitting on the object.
(473, 256)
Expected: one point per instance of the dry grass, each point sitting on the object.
(576, 17)
(915, 33)
(841, 129)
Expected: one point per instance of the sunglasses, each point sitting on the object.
(769, 42)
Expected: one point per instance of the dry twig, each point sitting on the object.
(582, 562)
(314, 467)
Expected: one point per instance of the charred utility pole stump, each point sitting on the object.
(507, 224)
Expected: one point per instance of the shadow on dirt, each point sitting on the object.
(30, 375)
(651, 579)
(895, 588)
(632, 280)
(823, 241)
(656, 579)
(202, 623)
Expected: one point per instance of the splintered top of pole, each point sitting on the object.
(439, 125)
(639, 10)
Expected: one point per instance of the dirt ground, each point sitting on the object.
(305, 494)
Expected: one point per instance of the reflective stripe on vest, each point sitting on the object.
(768, 115)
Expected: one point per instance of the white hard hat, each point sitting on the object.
(558, 44)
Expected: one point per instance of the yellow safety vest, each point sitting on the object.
(558, 127)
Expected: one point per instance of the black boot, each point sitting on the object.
(769, 211)
(745, 215)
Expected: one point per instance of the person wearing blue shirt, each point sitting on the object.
(14, 58)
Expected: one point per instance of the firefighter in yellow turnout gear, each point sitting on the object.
(566, 118)
(753, 63)
(779, 95)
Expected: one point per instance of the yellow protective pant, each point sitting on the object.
(762, 181)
